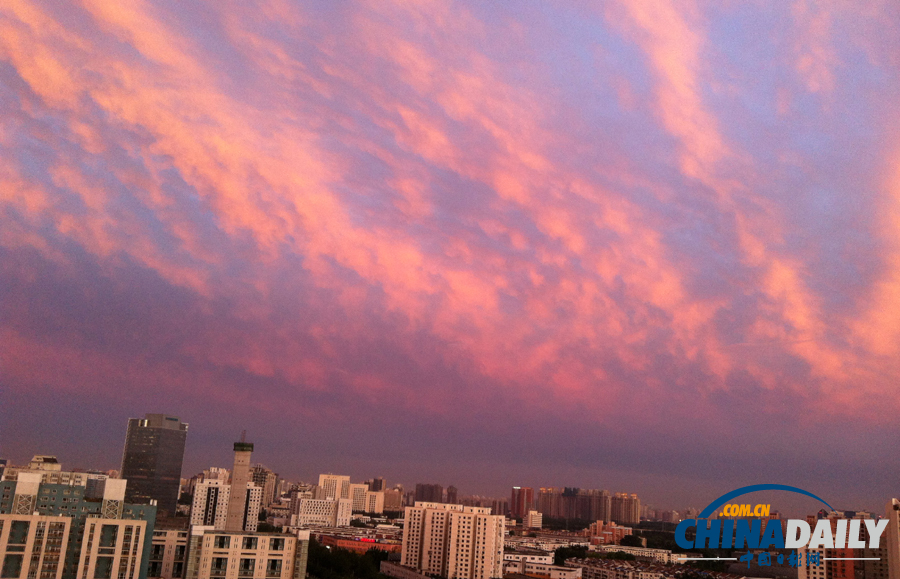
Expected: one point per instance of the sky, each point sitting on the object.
(646, 247)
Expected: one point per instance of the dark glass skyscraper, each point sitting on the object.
(151, 463)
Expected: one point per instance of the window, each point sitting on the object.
(222, 542)
(103, 569)
(246, 568)
(12, 566)
(273, 568)
(276, 545)
(249, 543)
(219, 566)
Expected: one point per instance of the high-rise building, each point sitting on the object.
(377, 484)
(211, 500)
(375, 502)
(237, 511)
(358, 497)
(453, 541)
(625, 509)
(151, 462)
(219, 554)
(33, 543)
(267, 480)
(168, 554)
(92, 517)
(452, 495)
(334, 486)
(393, 500)
(429, 493)
(890, 539)
(521, 501)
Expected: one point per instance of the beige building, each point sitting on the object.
(233, 555)
(358, 497)
(334, 486)
(33, 546)
(663, 556)
(453, 541)
(168, 553)
(533, 520)
(328, 513)
(541, 570)
(625, 509)
(374, 502)
(50, 472)
(112, 549)
(890, 540)
(210, 504)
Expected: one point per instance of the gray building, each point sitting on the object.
(151, 462)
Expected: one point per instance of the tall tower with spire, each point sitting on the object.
(240, 476)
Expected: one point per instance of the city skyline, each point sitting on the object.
(481, 245)
(334, 486)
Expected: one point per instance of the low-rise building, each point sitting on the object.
(540, 570)
(664, 556)
(533, 520)
(324, 512)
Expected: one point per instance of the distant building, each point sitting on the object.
(663, 556)
(151, 461)
(452, 495)
(377, 484)
(521, 501)
(607, 533)
(626, 509)
(374, 502)
(539, 570)
(429, 493)
(210, 505)
(891, 538)
(453, 541)
(267, 480)
(532, 520)
(837, 563)
(334, 486)
(574, 503)
(50, 471)
(358, 497)
(322, 512)
(393, 500)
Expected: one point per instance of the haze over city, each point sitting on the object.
(608, 246)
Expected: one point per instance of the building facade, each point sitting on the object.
(151, 461)
(521, 501)
(334, 486)
(211, 500)
(533, 520)
(51, 472)
(33, 546)
(429, 493)
(94, 514)
(453, 541)
(331, 513)
(237, 555)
